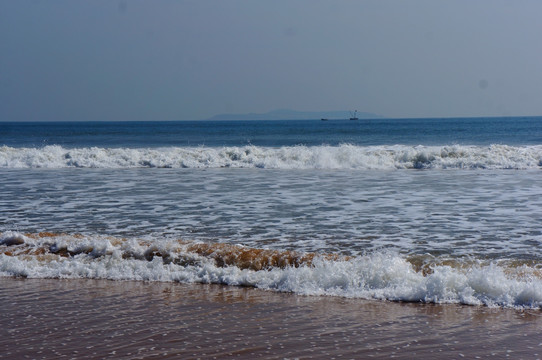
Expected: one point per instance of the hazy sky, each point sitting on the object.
(166, 60)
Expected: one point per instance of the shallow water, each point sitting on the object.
(92, 319)
(485, 214)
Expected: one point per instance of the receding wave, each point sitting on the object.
(295, 157)
(382, 275)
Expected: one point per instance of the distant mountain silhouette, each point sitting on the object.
(295, 115)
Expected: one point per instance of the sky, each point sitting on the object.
(189, 60)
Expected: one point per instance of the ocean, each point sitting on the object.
(430, 211)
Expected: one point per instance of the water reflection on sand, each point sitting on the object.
(101, 319)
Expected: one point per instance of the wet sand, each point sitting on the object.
(93, 319)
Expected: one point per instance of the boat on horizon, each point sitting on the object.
(354, 115)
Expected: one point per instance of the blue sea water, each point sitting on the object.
(446, 131)
(433, 210)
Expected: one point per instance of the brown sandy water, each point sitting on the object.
(92, 319)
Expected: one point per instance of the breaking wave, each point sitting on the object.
(295, 157)
(382, 275)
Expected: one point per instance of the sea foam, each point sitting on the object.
(379, 275)
(294, 157)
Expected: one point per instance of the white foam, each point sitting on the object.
(381, 275)
(10, 238)
(295, 157)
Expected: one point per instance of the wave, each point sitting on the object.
(295, 157)
(381, 275)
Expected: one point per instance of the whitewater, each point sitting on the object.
(345, 156)
(383, 275)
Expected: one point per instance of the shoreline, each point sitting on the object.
(91, 319)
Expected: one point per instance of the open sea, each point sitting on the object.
(414, 210)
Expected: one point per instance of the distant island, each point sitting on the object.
(295, 115)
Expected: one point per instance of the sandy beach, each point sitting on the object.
(91, 319)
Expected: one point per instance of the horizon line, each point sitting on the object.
(308, 119)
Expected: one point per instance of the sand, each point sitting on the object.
(94, 319)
